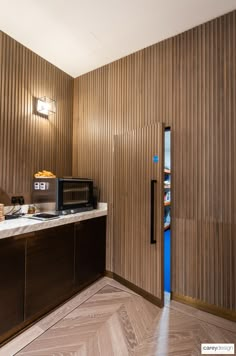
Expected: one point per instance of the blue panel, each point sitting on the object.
(167, 261)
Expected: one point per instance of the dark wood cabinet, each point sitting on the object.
(42, 269)
(12, 283)
(90, 250)
(49, 269)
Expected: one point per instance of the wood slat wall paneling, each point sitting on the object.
(28, 142)
(188, 82)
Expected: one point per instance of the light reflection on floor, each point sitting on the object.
(163, 329)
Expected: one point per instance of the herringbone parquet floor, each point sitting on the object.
(116, 322)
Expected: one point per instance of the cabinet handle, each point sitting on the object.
(152, 240)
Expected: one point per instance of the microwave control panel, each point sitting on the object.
(41, 185)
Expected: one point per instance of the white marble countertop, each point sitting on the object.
(24, 225)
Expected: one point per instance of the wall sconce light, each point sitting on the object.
(46, 106)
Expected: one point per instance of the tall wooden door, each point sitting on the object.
(138, 208)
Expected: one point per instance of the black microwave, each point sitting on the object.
(66, 195)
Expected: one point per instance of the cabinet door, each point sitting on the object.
(90, 247)
(138, 208)
(12, 267)
(50, 268)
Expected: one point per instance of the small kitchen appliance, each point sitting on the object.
(66, 195)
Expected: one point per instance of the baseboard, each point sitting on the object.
(109, 274)
(209, 308)
(146, 295)
(196, 303)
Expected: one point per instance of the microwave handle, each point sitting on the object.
(152, 230)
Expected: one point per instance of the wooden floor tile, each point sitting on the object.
(116, 322)
(111, 322)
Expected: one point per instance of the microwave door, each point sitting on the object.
(75, 195)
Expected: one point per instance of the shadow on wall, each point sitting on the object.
(4, 198)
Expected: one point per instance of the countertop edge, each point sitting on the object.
(9, 228)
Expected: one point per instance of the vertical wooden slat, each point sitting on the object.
(28, 142)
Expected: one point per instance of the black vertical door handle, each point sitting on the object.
(152, 230)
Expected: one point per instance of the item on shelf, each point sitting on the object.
(167, 179)
(31, 209)
(167, 197)
(44, 216)
(167, 220)
(44, 174)
(13, 216)
(166, 227)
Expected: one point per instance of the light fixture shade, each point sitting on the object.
(46, 106)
